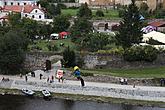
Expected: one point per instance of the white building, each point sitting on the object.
(17, 2)
(29, 11)
(32, 11)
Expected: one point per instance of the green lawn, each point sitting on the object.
(109, 14)
(72, 12)
(42, 44)
(132, 73)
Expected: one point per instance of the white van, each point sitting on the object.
(54, 36)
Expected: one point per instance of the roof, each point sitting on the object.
(154, 35)
(29, 8)
(157, 23)
(17, 8)
(13, 8)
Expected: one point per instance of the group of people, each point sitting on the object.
(77, 74)
(123, 81)
(60, 76)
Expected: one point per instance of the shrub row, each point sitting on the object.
(140, 53)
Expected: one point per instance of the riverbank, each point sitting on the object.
(79, 97)
(102, 92)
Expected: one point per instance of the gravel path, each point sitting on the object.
(148, 93)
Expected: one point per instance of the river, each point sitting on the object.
(11, 102)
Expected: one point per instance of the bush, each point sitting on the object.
(99, 13)
(68, 58)
(121, 12)
(62, 6)
(140, 53)
(87, 74)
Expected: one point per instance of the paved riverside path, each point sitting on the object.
(147, 93)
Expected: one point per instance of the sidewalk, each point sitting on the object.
(146, 93)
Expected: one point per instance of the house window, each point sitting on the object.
(40, 16)
(11, 3)
(18, 3)
(24, 3)
(5, 3)
(25, 15)
(36, 11)
(32, 16)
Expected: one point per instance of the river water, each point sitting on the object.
(8, 102)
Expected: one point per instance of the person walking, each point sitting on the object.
(59, 75)
(26, 78)
(41, 76)
(77, 74)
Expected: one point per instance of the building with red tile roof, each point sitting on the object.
(160, 25)
(30, 11)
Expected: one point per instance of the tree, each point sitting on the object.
(12, 47)
(95, 41)
(68, 57)
(53, 10)
(144, 6)
(30, 28)
(15, 20)
(44, 30)
(60, 23)
(130, 27)
(144, 9)
(84, 11)
(80, 29)
(99, 13)
(43, 3)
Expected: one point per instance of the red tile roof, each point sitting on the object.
(13, 8)
(16, 8)
(29, 8)
(157, 23)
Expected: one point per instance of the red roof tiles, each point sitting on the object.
(157, 23)
(13, 8)
(16, 8)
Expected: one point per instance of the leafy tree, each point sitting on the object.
(68, 57)
(43, 3)
(53, 10)
(30, 28)
(95, 41)
(15, 20)
(84, 11)
(12, 47)
(144, 6)
(141, 53)
(80, 29)
(4, 29)
(44, 30)
(130, 28)
(60, 23)
(144, 9)
(99, 13)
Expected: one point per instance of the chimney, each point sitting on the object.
(39, 6)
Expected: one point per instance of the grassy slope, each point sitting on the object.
(43, 44)
(133, 73)
(110, 14)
